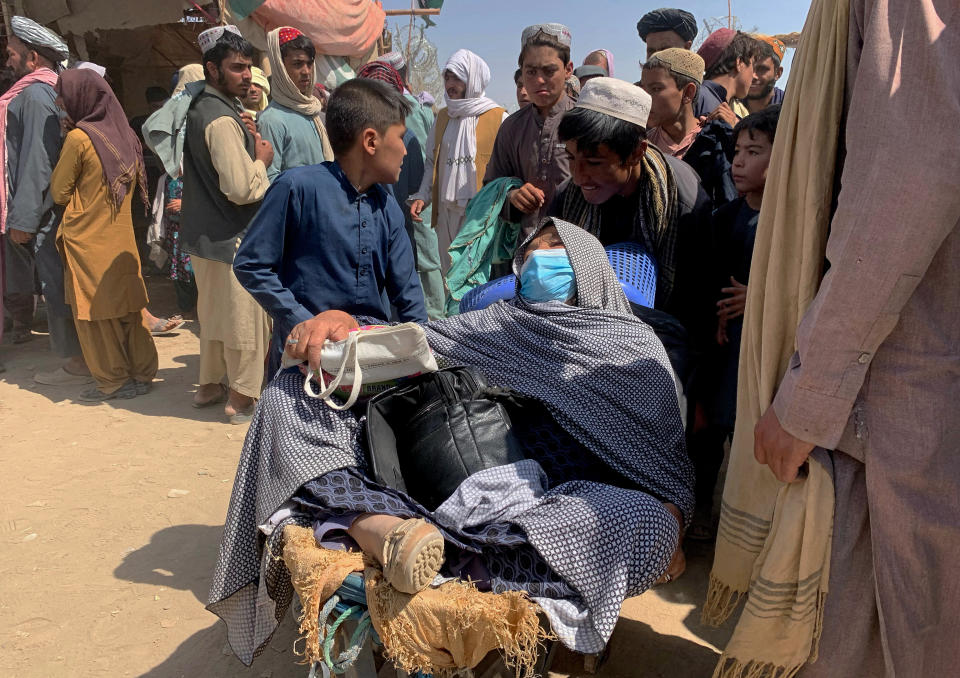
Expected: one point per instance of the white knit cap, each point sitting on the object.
(209, 37)
(616, 98)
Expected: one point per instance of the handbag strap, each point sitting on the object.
(326, 390)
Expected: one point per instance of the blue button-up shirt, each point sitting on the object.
(318, 245)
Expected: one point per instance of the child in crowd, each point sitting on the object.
(672, 77)
(729, 57)
(527, 146)
(734, 229)
(522, 98)
(331, 236)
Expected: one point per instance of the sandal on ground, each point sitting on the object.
(221, 397)
(701, 531)
(244, 416)
(167, 325)
(22, 334)
(143, 387)
(60, 377)
(125, 392)
(412, 555)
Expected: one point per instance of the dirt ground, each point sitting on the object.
(110, 520)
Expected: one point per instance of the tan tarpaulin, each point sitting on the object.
(84, 16)
(142, 57)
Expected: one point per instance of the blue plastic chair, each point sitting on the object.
(636, 270)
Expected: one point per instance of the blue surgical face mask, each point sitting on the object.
(547, 276)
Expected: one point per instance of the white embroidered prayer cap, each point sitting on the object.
(559, 31)
(209, 37)
(617, 98)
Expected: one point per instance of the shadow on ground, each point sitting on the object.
(180, 557)
(691, 589)
(637, 651)
(206, 654)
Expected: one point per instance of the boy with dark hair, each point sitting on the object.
(734, 228)
(522, 97)
(527, 146)
(293, 122)
(767, 69)
(729, 57)
(224, 179)
(624, 190)
(331, 236)
(672, 77)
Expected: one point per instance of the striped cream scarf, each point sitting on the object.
(773, 545)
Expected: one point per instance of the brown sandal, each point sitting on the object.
(412, 555)
(222, 397)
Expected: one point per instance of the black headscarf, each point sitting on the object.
(680, 21)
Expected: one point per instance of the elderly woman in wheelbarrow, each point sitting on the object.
(592, 515)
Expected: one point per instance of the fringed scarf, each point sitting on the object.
(655, 220)
(94, 108)
(773, 545)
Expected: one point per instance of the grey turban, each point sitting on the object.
(680, 21)
(31, 32)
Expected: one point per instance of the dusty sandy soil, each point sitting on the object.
(110, 520)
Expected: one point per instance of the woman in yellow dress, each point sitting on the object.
(100, 166)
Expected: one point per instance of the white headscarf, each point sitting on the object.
(460, 184)
(287, 94)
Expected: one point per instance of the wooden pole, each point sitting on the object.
(5, 7)
(408, 12)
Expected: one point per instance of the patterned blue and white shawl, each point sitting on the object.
(605, 378)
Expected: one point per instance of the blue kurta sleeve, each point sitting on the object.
(403, 284)
(260, 256)
(271, 129)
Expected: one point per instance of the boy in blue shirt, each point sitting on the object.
(330, 236)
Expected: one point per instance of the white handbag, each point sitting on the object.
(371, 355)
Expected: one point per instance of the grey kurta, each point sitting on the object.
(33, 148)
(877, 372)
(528, 148)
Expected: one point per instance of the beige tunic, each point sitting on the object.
(877, 369)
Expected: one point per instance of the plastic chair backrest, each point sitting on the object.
(635, 269)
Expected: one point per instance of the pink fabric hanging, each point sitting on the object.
(341, 27)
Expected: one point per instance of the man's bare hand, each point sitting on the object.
(173, 206)
(725, 113)
(734, 304)
(305, 341)
(263, 149)
(249, 122)
(19, 237)
(416, 207)
(721, 335)
(779, 450)
(528, 198)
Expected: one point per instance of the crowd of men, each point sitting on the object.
(278, 200)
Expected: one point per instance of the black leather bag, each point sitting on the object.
(427, 436)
